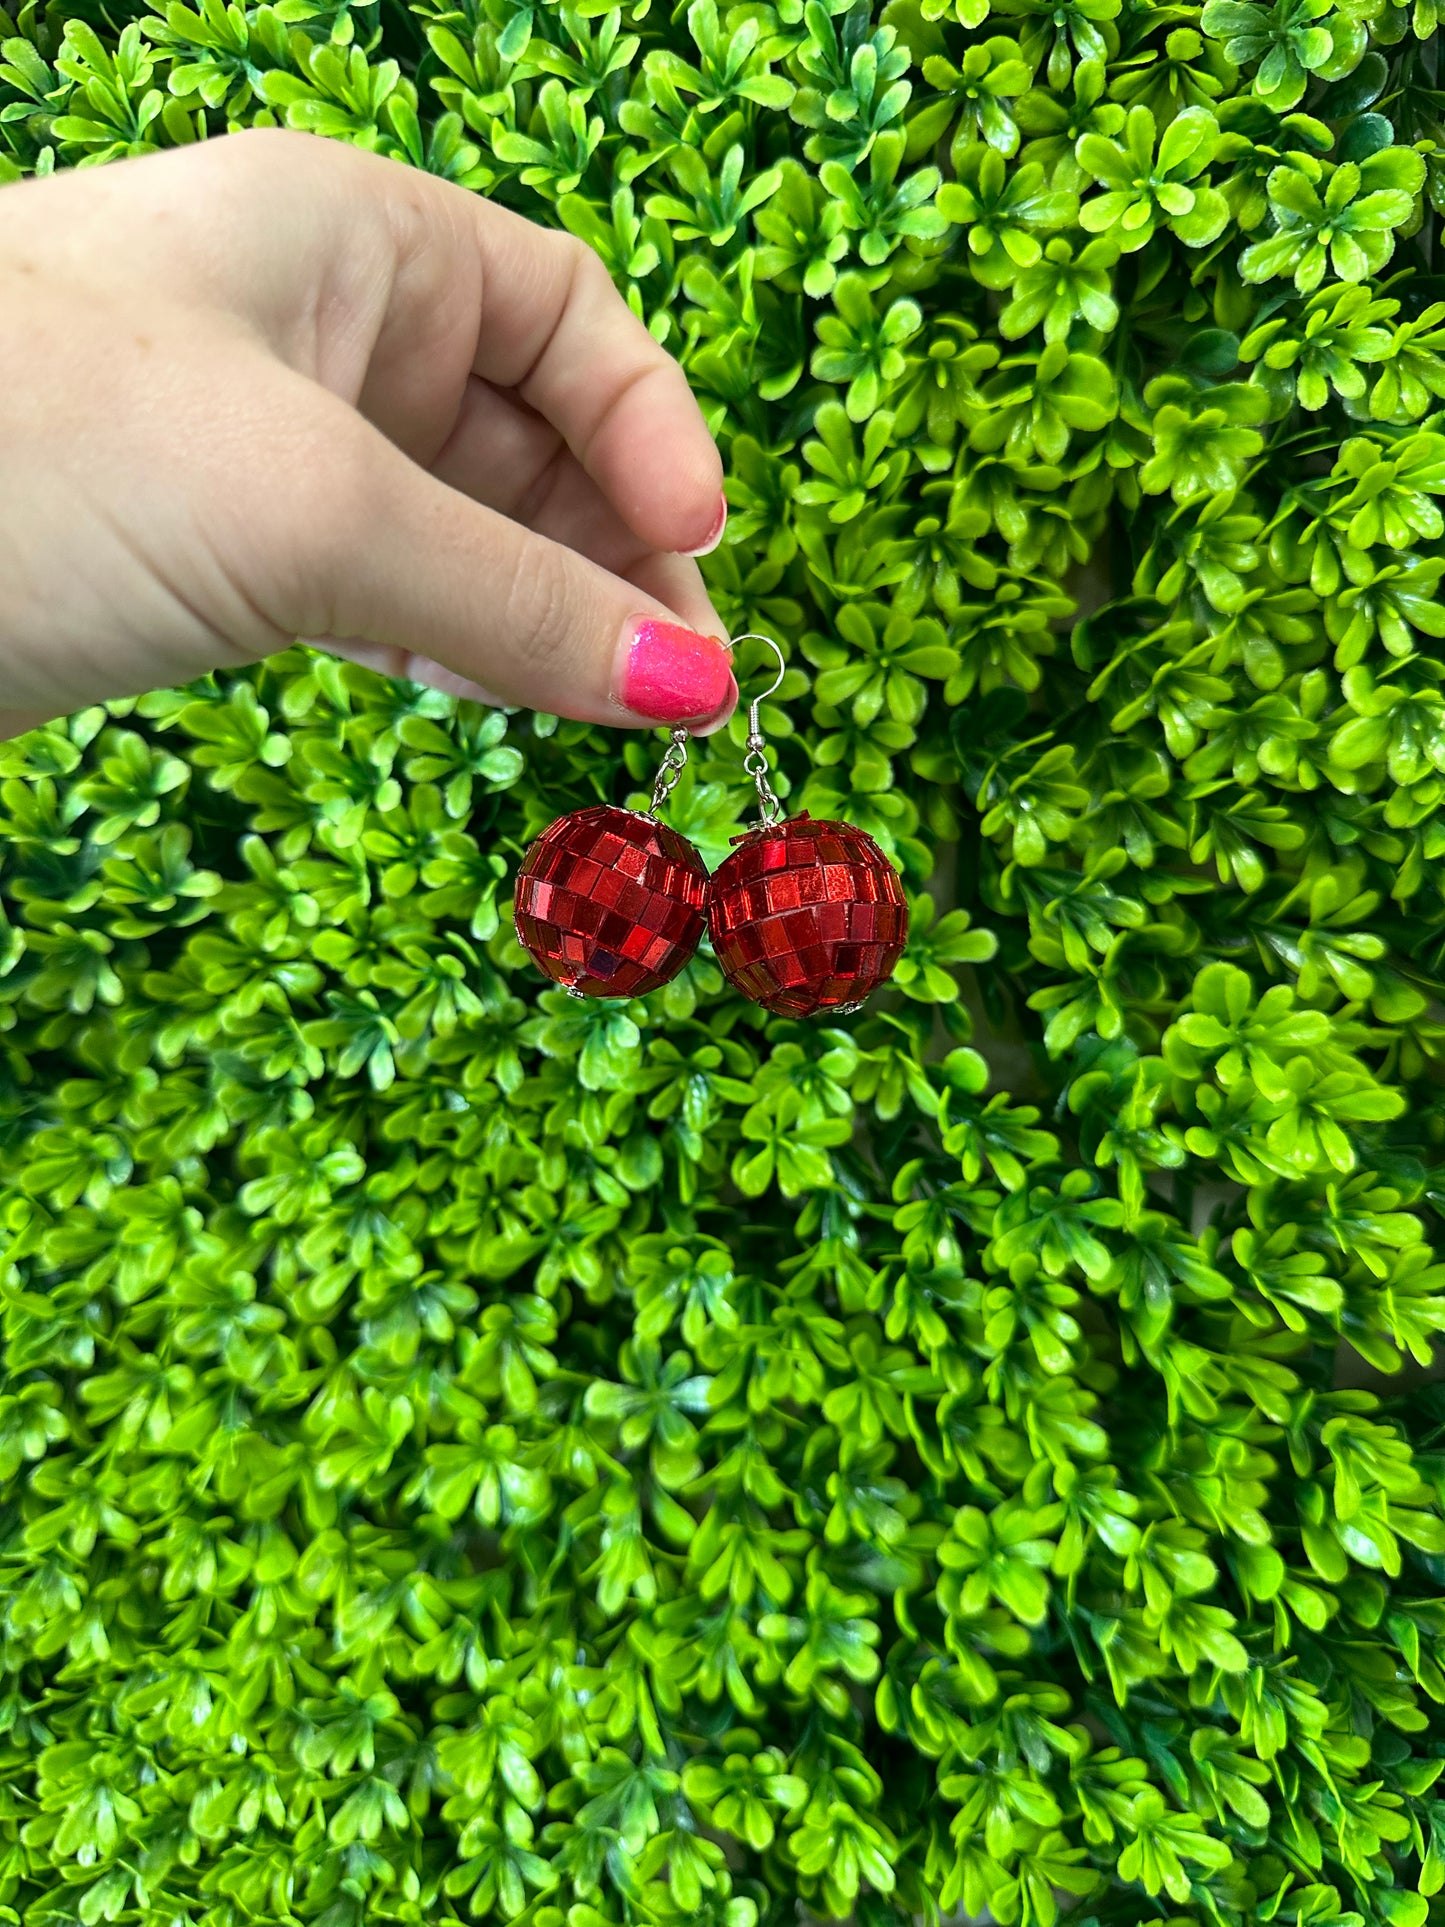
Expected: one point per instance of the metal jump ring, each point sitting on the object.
(673, 762)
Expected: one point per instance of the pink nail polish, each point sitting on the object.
(715, 533)
(721, 715)
(671, 674)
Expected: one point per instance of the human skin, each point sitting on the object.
(270, 386)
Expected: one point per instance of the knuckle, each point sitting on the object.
(279, 149)
(539, 614)
(585, 268)
(412, 219)
(307, 529)
(345, 506)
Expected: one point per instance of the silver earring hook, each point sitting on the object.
(773, 687)
(755, 762)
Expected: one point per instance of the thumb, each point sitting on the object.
(365, 548)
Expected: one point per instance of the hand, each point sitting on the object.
(272, 386)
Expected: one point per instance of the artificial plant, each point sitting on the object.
(467, 1455)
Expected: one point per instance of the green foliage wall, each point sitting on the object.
(466, 1454)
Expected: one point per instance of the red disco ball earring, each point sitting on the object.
(807, 918)
(610, 902)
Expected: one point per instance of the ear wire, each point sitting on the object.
(755, 762)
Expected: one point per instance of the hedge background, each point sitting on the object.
(469, 1454)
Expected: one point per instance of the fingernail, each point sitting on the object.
(670, 674)
(715, 533)
(719, 720)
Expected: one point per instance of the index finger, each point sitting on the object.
(555, 330)
(390, 286)
(530, 309)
